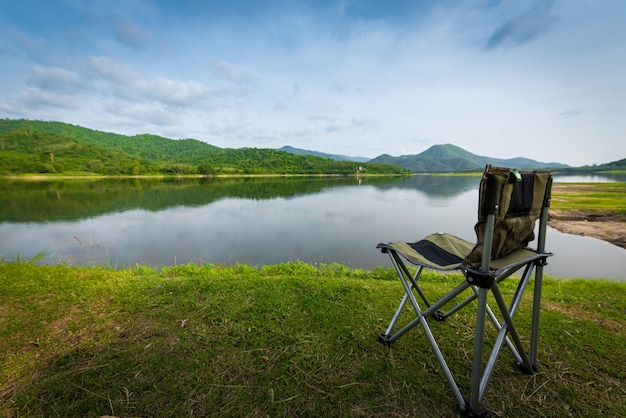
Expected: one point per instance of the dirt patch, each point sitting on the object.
(607, 227)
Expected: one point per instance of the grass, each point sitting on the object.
(590, 197)
(283, 340)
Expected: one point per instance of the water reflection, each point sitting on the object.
(45, 201)
(436, 186)
(590, 178)
(256, 221)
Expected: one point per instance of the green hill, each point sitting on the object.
(30, 147)
(336, 157)
(449, 158)
(619, 165)
(33, 151)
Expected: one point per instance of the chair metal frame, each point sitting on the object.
(480, 280)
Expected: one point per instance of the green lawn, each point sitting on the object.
(284, 340)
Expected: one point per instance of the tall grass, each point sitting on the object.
(284, 340)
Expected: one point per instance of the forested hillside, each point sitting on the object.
(619, 165)
(32, 151)
(450, 158)
(32, 147)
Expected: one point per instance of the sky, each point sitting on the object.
(513, 78)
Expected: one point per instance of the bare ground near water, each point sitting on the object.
(607, 227)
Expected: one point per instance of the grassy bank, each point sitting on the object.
(283, 340)
(598, 198)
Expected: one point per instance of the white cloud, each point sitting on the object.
(131, 34)
(111, 70)
(574, 112)
(175, 93)
(35, 48)
(130, 85)
(47, 89)
(232, 73)
(140, 115)
(524, 27)
(54, 78)
(34, 99)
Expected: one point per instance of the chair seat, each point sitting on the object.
(519, 257)
(442, 251)
(437, 251)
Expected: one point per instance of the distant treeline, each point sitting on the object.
(38, 147)
(619, 165)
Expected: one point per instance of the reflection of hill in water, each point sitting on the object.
(436, 186)
(56, 200)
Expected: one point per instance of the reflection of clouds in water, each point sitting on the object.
(338, 224)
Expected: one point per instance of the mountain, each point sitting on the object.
(336, 157)
(449, 158)
(32, 147)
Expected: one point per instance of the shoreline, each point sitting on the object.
(590, 209)
(603, 226)
(44, 177)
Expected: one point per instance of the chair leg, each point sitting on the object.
(541, 246)
(480, 379)
(474, 406)
(534, 331)
(387, 338)
(403, 273)
(394, 319)
(511, 328)
(508, 342)
(433, 344)
(405, 277)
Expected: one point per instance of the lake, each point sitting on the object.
(266, 220)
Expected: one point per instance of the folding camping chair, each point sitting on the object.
(510, 202)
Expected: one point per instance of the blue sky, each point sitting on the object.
(539, 79)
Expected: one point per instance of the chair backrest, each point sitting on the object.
(515, 199)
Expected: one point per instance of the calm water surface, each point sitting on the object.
(257, 221)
